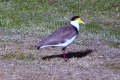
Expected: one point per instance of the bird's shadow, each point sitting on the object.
(69, 55)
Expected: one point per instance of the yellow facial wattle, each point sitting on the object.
(80, 20)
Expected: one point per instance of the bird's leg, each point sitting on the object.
(64, 54)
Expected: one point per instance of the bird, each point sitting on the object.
(63, 36)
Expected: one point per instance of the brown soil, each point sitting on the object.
(93, 61)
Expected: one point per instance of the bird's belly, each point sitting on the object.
(67, 42)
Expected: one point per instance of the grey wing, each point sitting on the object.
(59, 36)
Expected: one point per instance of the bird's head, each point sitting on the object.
(78, 19)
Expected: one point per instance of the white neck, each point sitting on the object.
(75, 24)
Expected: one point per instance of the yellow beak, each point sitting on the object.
(80, 20)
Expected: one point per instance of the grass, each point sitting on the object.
(1, 40)
(48, 15)
(21, 56)
(113, 66)
(114, 44)
(38, 17)
(24, 22)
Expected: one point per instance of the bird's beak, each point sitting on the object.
(80, 21)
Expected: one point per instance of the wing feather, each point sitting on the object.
(59, 36)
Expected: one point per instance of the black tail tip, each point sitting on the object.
(37, 47)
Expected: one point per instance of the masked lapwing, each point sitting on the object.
(63, 36)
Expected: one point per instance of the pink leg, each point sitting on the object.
(64, 54)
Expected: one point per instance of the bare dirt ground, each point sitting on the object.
(95, 60)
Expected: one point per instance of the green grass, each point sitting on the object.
(21, 56)
(113, 66)
(101, 16)
(1, 40)
(114, 44)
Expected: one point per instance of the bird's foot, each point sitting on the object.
(65, 59)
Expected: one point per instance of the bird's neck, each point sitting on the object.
(75, 24)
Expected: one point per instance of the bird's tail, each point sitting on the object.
(37, 46)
